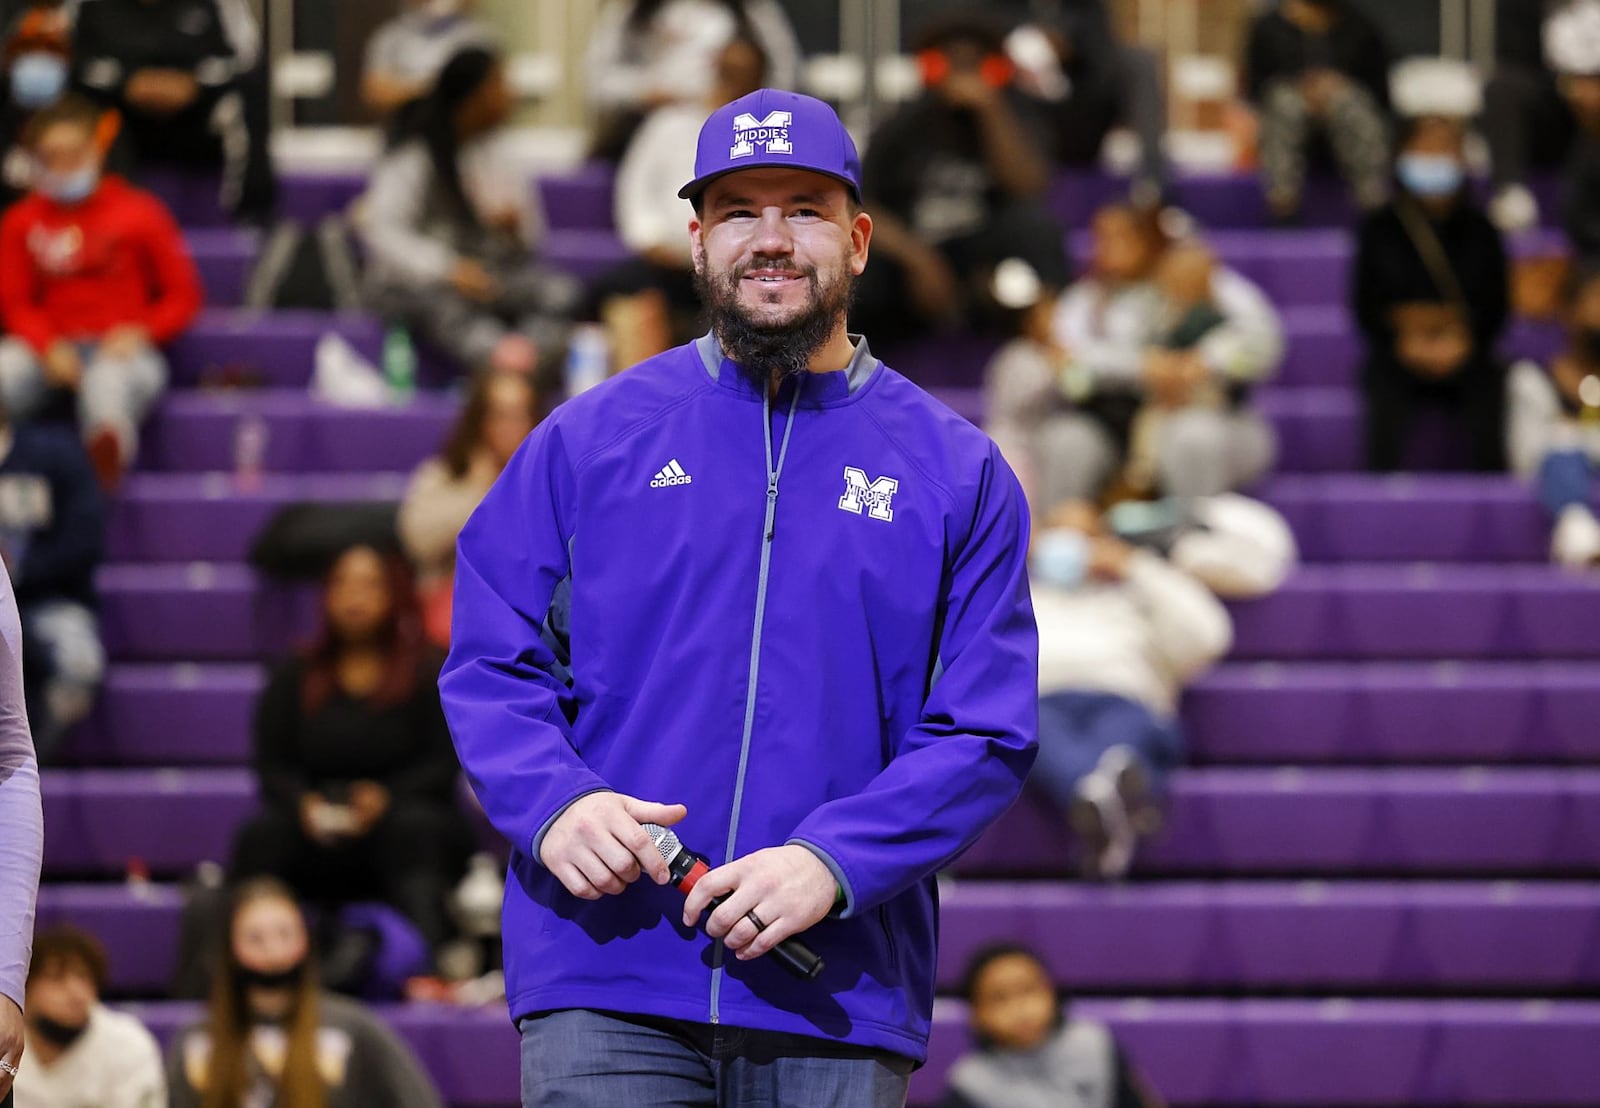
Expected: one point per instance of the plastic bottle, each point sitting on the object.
(399, 364)
(588, 358)
(250, 437)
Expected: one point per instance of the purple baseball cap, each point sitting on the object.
(771, 127)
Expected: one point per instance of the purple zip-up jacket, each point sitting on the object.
(805, 618)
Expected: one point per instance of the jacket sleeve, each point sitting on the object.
(21, 820)
(433, 772)
(1248, 346)
(963, 763)
(1369, 290)
(1491, 296)
(500, 685)
(66, 554)
(19, 292)
(1190, 627)
(178, 291)
(389, 220)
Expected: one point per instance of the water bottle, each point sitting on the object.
(250, 437)
(588, 358)
(399, 364)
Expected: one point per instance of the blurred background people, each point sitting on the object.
(1158, 349)
(1121, 632)
(449, 227)
(35, 60)
(1029, 1047)
(1553, 427)
(52, 537)
(646, 54)
(500, 410)
(356, 768)
(650, 302)
(189, 81)
(79, 1051)
(1430, 293)
(1319, 69)
(954, 181)
(97, 278)
(1072, 60)
(271, 1037)
(406, 54)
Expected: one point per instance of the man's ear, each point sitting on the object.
(697, 246)
(860, 240)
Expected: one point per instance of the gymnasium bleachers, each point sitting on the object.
(1375, 886)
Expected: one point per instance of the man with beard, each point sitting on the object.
(767, 583)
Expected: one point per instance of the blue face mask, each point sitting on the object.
(1060, 557)
(70, 188)
(1430, 175)
(37, 80)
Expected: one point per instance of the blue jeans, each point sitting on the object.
(1564, 480)
(1076, 728)
(584, 1059)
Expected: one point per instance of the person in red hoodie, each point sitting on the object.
(94, 279)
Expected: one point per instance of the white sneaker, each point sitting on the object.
(1105, 835)
(1514, 209)
(1575, 543)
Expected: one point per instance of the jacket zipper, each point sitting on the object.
(767, 530)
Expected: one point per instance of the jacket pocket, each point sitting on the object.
(888, 937)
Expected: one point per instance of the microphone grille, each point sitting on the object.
(666, 842)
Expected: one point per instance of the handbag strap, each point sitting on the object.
(1422, 235)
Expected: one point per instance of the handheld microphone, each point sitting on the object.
(685, 868)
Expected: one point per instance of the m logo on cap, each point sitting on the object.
(771, 133)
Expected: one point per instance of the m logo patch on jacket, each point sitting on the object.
(877, 496)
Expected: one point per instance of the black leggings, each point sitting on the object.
(1474, 400)
(409, 860)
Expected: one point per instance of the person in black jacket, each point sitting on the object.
(356, 767)
(189, 81)
(954, 181)
(1319, 66)
(52, 536)
(1430, 293)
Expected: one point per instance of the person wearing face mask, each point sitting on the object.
(405, 55)
(1430, 292)
(79, 1051)
(1121, 633)
(270, 1037)
(33, 75)
(1553, 429)
(98, 278)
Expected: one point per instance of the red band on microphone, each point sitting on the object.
(688, 881)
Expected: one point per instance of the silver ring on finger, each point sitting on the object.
(8, 1067)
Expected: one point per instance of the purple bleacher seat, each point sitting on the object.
(1273, 712)
(581, 199)
(1337, 821)
(185, 517)
(196, 431)
(1322, 821)
(1243, 714)
(224, 257)
(1347, 936)
(1456, 1052)
(586, 253)
(182, 714)
(200, 610)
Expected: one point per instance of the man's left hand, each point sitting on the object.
(787, 887)
(10, 1039)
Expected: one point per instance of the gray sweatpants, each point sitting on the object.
(114, 392)
(1199, 452)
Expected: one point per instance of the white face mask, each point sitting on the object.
(1060, 557)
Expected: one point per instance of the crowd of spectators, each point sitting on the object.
(1122, 396)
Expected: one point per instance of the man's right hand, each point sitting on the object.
(597, 847)
(63, 366)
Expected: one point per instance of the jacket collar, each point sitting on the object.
(820, 388)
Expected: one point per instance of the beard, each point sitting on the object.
(767, 352)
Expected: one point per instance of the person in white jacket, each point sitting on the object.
(1121, 633)
(1062, 401)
